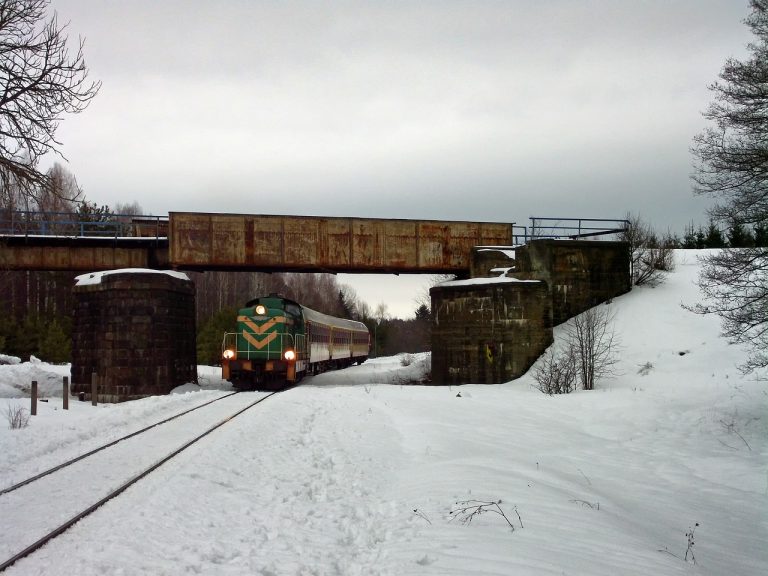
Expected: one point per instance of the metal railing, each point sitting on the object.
(572, 228)
(73, 224)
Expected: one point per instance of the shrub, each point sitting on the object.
(17, 416)
(590, 354)
(591, 336)
(651, 255)
(556, 373)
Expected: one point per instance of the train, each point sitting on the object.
(278, 342)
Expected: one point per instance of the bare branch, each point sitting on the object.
(732, 166)
(41, 82)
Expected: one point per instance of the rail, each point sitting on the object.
(120, 489)
(79, 225)
(108, 445)
(75, 224)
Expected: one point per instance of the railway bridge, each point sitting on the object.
(198, 241)
(518, 281)
(204, 241)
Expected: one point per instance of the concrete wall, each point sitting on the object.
(492, 328)
(488, 333)
(580, 273)
(137, 332)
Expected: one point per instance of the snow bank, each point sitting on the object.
(356, 472)
(95, 277)
(5, 359)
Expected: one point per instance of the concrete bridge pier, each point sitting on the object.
(492, 328)
(136, 331)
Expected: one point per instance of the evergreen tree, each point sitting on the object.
(29, 333)
(689, 238)
(761, 234)
(714, 237)
(7, 331)
(701, 239)
(423, 327)
(739, 236)
(55, 344)
(211, 335)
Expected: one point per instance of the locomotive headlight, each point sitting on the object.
(289, 355)
(228, 354)
(261, 310)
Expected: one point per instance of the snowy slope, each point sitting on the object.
(355, 473)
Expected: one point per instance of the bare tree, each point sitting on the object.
(734, 282)
(556, 373)
(651, 256)
(60, 192)
(129, 208)
(382, 312)
(423, 298)
(40, 81)
(593, 341)
(732, 166)
(12, 195)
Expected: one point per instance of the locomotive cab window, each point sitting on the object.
(292, 309)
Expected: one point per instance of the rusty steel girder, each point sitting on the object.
(309, 243)
(80, 254)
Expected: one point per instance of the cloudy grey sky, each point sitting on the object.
(490, 111)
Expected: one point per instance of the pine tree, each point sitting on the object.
(689, 238)
(739, 236)
(211, 335)
(55, 344)
(761, 234)
(29, 333)
(714, 237)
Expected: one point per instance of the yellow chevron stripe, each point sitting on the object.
(260, 344)
(255, 328)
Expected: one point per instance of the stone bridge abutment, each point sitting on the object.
(492, 328)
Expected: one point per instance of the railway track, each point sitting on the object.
(35, 511)
(105, 446)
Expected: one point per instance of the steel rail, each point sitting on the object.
(105, 446)
(69, 523)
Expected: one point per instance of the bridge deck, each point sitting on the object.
(202, 241)
(81, 254)
(305, 243)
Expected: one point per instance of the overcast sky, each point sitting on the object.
(486, 111)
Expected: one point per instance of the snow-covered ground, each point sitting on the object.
(356, 473)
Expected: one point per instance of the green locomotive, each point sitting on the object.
(279, 341)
